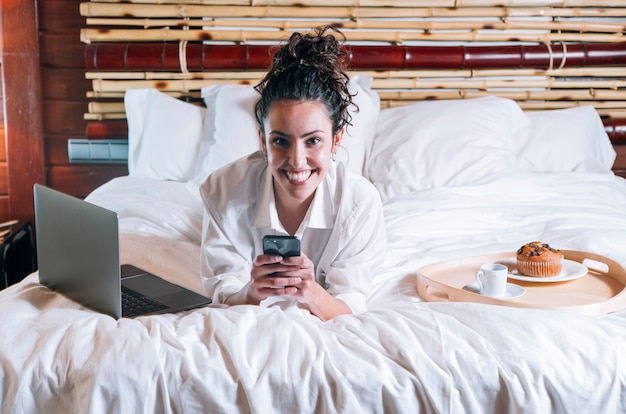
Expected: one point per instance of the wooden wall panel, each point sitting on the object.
(5, 209)
(3, 147)
(4, 175)
(64, 92)
(67, 84)
(60, 15)
(61, 50)
(63, 117)
(80, 179)
(620, 163)
(56, 151)
(4, 178)
(22, 106)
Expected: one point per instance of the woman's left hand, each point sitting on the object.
(308, 291)
(302, 267)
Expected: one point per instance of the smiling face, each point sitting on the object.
(298, 142)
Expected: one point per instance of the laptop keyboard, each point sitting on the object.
(134, 304)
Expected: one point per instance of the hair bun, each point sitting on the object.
(320, 49)
(309, 67)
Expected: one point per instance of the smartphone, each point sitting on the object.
(285, 246)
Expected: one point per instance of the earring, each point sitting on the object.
(333, 156)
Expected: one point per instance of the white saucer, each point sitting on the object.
(569, 271)
(512, 290)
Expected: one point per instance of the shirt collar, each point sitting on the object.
(320, 214)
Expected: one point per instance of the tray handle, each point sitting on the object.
(431, 292)
(596, 265)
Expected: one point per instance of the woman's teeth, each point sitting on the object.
(299, 176)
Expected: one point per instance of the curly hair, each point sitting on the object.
(309, 67)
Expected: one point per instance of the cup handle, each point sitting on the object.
(479, 275)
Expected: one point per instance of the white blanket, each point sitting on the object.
(404, 355)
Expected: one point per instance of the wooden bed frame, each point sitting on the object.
(545, 55)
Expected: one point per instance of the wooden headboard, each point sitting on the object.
(543, 54)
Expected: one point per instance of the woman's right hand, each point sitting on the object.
(266, 279)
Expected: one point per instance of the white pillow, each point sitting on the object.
(231, 130)
(561, 140)
(443, 143)
(164, 135)
(356, 144)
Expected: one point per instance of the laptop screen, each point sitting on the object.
(78, 249)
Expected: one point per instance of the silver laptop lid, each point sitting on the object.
(78, 250)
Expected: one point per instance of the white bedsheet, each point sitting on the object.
(404, 355)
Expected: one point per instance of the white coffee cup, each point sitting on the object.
(492, 279)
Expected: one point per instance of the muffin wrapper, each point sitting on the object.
(540, 269)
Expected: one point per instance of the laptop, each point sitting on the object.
(78, 256)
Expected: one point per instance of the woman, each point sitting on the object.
(294, 187)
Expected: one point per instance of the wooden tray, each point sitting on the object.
(601, 290)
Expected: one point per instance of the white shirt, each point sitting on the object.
(343, 232)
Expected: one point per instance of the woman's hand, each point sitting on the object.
(292, 276)
(277, 276)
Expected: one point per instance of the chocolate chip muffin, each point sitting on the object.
(538, 259)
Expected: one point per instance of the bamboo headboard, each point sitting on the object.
(543, 54)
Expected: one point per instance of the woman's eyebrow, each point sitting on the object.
(278, 132)
(306, 134)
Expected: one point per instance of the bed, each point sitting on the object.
(487, 183)
(475, 150)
